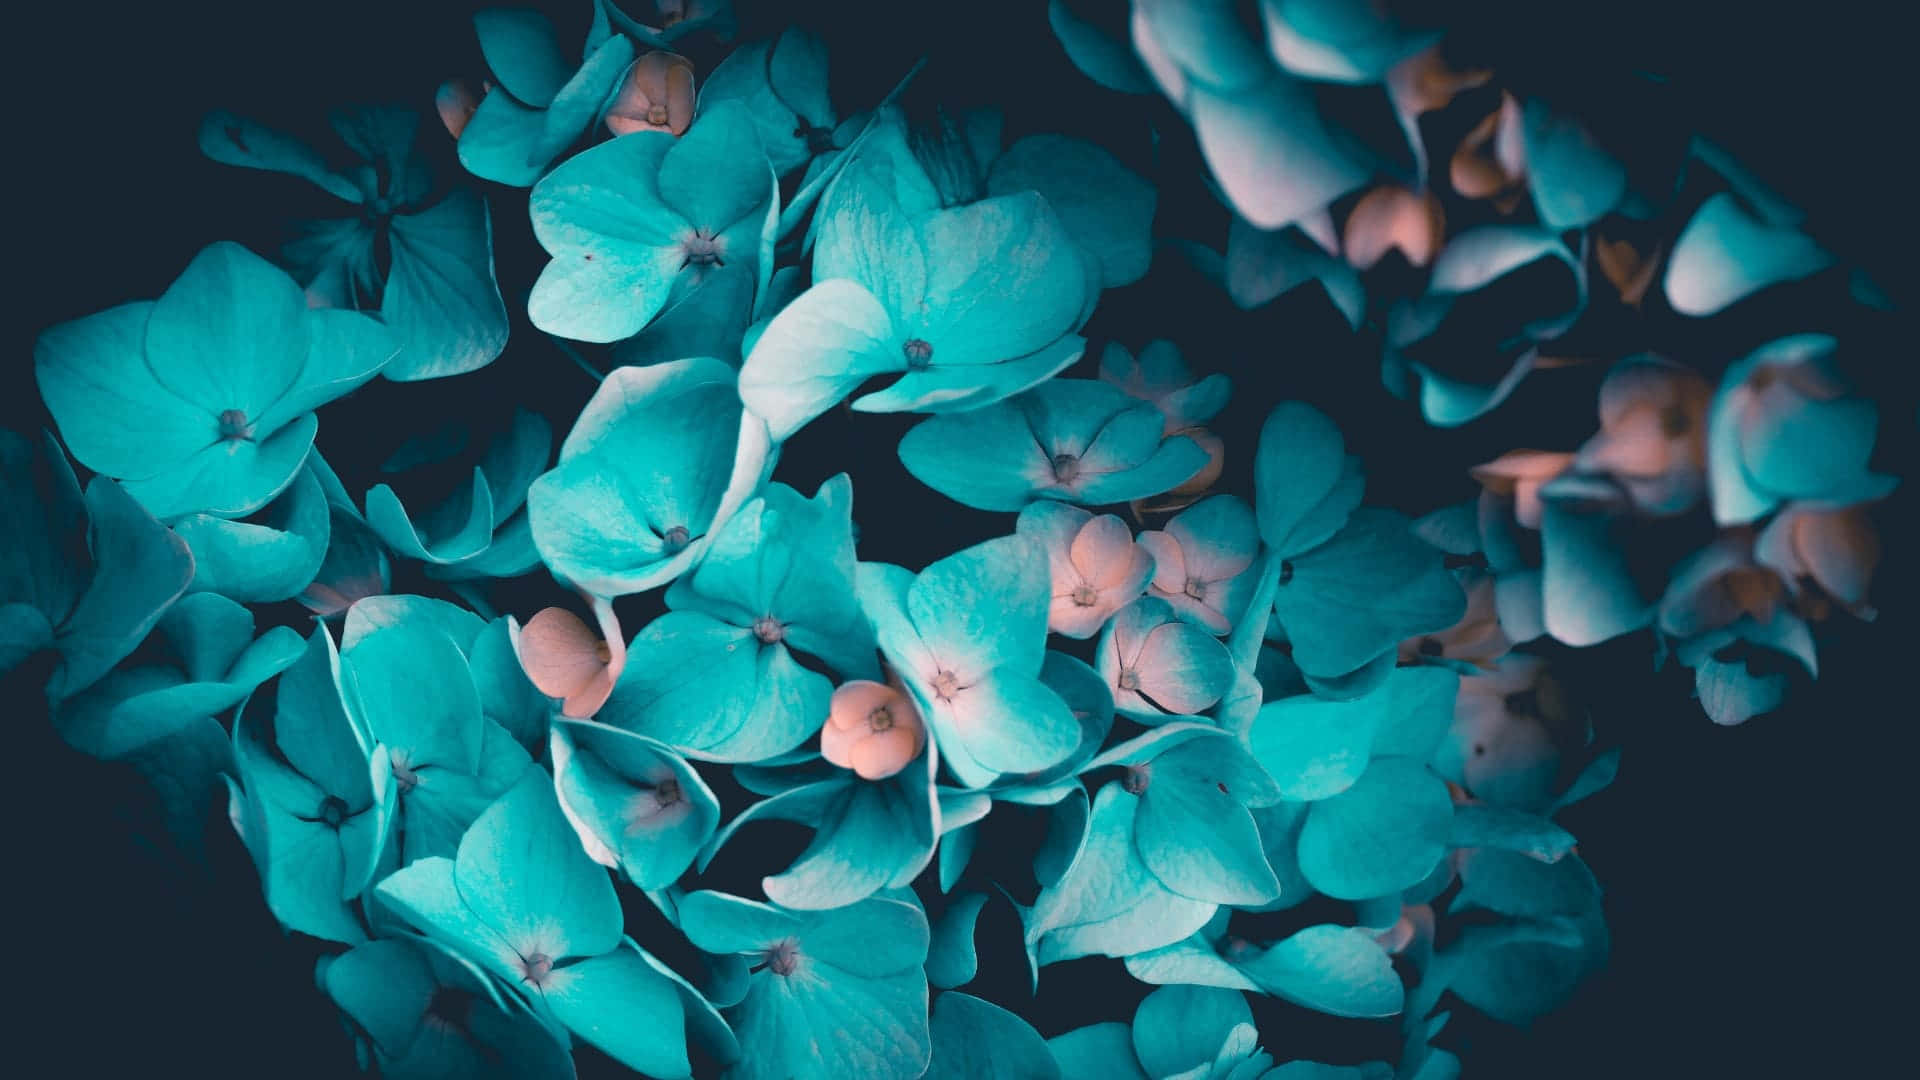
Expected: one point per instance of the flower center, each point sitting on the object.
(333, 811)
(1286, 571)
(945, 684)
(1129, 679)
(769, 629)
(1524, 703)
(1196, 588)
(880, 719)
(702, 248)
(1085, 596)
(1235, 948)
(667, 793)
(675, 539)
(234, 426)
(1137, 778)
(535, 968)
(1066, 468)
(819, 139)
(1674, 421)
(657, 115)
(919, 354)
(782, 958)
(603, 651)
(403, 773)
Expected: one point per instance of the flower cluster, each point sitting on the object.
(1199, 708)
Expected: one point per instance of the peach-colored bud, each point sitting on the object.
(873, 729)
(456, 100)
(565, 659)
(1477, 638)
(1818, 551)
(656, 95)
(1653, 435)
(1628, 266)
(1519, 475)
(1424, 82)
(1392, 217)
(1491, 160)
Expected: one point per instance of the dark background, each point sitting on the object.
(1755, 882)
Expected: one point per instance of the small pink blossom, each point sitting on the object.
(873, 729)
(565, 659)
(656, 95)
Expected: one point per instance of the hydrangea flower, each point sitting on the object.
(831, 993)
(1202, 1032)
(1076, 440)
(541, 100)
(1093, 563)
(1825, 557)
(967, 637)
(655, 95)
(873, 729)
(1352, 582)
(419, 254)
(658, 461)
(409, 685)
(1732, 249)
(1514, 735)
(971, 304)
(87, 576)
(419, 1013)
(1653, 435)
(161, 714)
(202, 401)
(1378, 819)
(636, 222)
(1339, 970)
(523, 901)
(636, 805)
(1160, 665)
(783, 83)
(314, 799)
(477, 529)
(718, 677)
(1202, 559)
(1161, 377)
(1786, 424)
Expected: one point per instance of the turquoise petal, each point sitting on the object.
(1589, 593)
(1103, 1050)
(457, 529)
(978, 1040)
(715, 175)
(581, 102)
(523, 51)
(522, 871)
(783, 84)
(312, 729)
(616, 245)
(1106, 60)
(507, 697)
(1004, 279)
(1194, 833)
(1298, 469)
(984, 608)
(950, 953)
(1575, 181)
(1208, 40)
(1374, 584)
(411, 689)
(829, 340)
(227, 333)
(344, 349)
(1104, 206)
(1338, 970)
(139, 569)
(954, 389)
(1725, 254)
(235, 140)
(265, 562)
(625, 1007)
(1481, 825)
(499, 139)
(1178, 1027)
(636, 804)
(229, 479)
(1383, 834)
(441, 297)
(115, 416)
(43, 527)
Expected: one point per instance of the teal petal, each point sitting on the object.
(139, 569)
(1589, 592)
(829, 340)
(783, 85)
(1104, 1050)
(523, 52)
(715, 175)
(658, 449)
(1574, 181)
(1301, 467)
(983, 608)
(1338, 970)
(227, 333)
(1372, 585)
(582, 102)
(1194, 961)
(1003, 280)
(410, 687)
(616, 245)
(625, 1007)
(1106, 207)
(441, 297)
(1338, 41)
(1178, 1027)
(1384, 833)
(978, 1040)
(711, 691)
(260, 563)
(235, 140)
(1726, 254)
(1193, 829)
(1481, 825)
(499, 139)
(43, 527)
(377, 613)
(709, 319)
(1260, 266)
(951, 960)
(229, 482)
(522, 871)
(1271, 152)
(636, 805)
(955, 389)
(507, 697)
(1208, 40)
(1106, 60)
